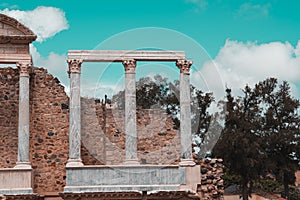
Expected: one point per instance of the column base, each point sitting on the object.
(23, 165)
(131, 162)
(74, 163)
(187, 163)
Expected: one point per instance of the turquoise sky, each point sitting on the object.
(209, 23)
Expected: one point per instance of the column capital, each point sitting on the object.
(184, 65)
(129, 65)
(24, 68)
(74, 65)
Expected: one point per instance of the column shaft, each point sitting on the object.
(130, 113)
(23, 126)
(75, 119)
(185, 113)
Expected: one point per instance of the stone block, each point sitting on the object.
(15, 181)
(124, 178)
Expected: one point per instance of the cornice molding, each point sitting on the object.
(28, 36)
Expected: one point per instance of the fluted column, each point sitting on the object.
(75, 121)
(130, 113)
(185, 113)
(23, 125)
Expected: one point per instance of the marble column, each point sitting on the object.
(75, 120)
(23, 126)
(130, 113)
(185, 113)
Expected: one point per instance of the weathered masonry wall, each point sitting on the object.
(49, 131)
(212, 186)
(103, 138)
(48, 127)
(103, 134)
(9, 94)
(158, 142)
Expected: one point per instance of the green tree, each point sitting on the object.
(281, 131)
(202, 119)
(239, 143)
(261, 134)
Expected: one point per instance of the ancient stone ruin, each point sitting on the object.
(59, 147)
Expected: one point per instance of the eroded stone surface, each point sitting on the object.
(23, 130)
(185, 112)
(130, 112)
(75, 116)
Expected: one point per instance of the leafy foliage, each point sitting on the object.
(261, 134)
(281, 130)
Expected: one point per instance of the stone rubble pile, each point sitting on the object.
(212, 187)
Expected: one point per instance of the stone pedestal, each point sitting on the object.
(75, 121)
(185, 113)
(23, 126)
(112, 178)
(130, 113)
(16, 182)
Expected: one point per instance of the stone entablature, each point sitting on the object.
(121, 55)
(14, 40)
(12, 31)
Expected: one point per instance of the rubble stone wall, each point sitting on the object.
(49, 128)
(212, 186)
(103, 137)
(9, 94)
(103, 134)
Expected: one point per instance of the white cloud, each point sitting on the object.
(95, 89)
(253, 11)
(200, 4)
(238, 64)
(56, 64)
(45, 22)
(6, 5)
